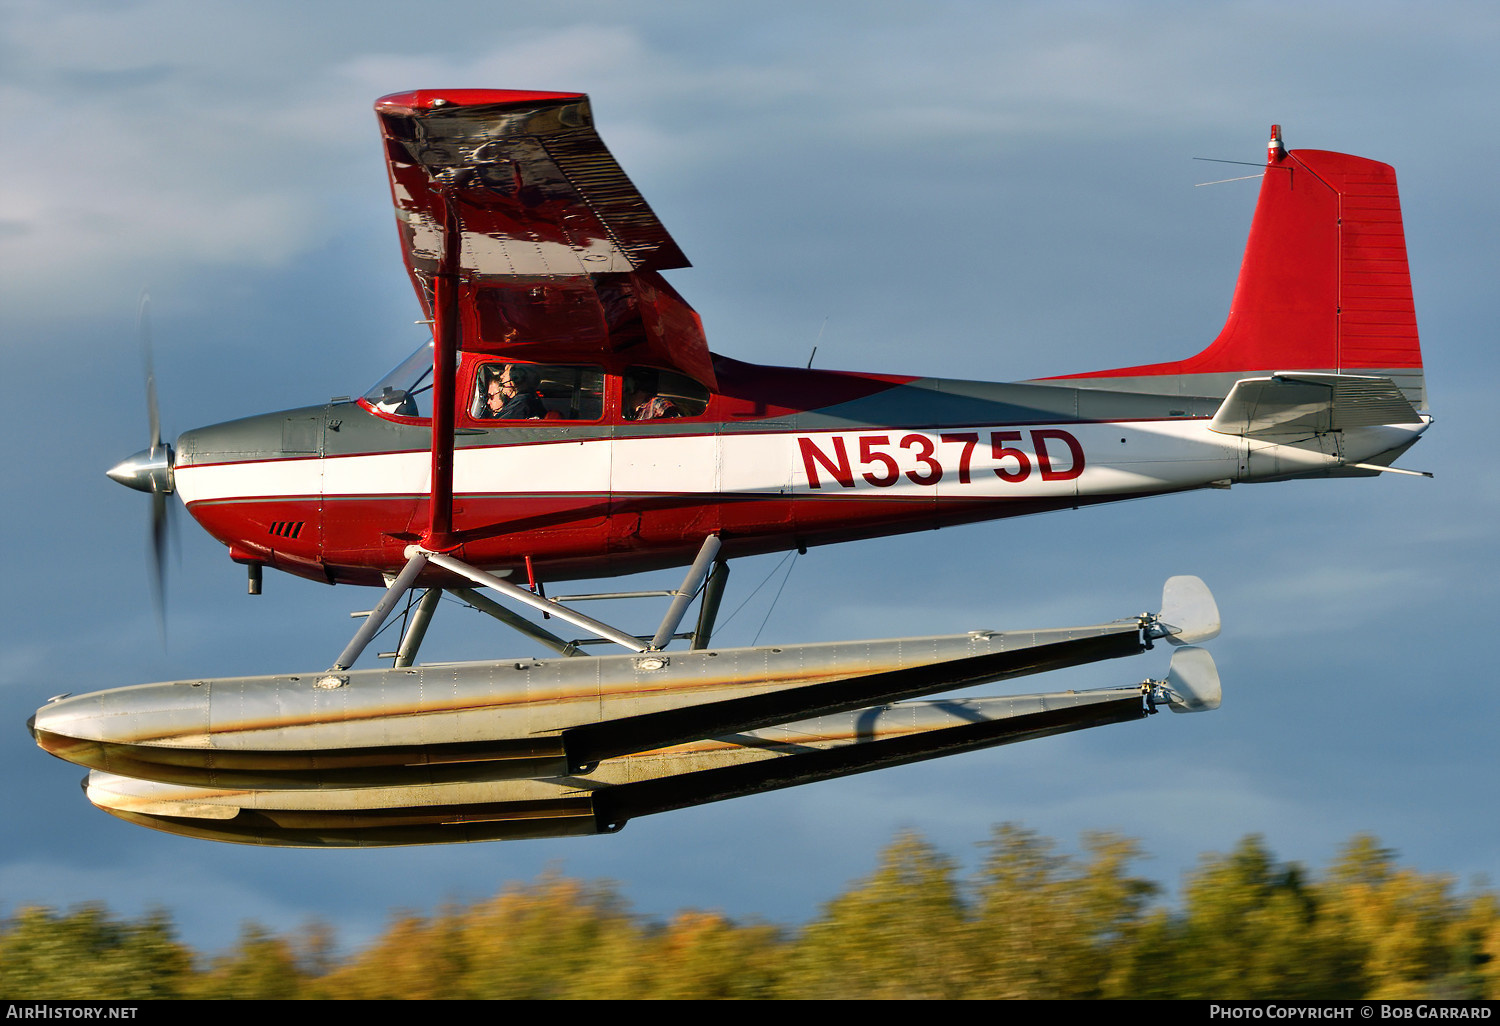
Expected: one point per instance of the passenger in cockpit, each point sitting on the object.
(642, 401)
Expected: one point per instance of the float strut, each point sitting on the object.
(525, 597)
(416, 629)
(415, 563)
(708, 612)
(516, 621)
(690, 585)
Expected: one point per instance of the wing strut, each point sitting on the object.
(446, 338)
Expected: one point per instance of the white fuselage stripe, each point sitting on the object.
(999, 461)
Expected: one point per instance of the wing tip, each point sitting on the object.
(429, 99)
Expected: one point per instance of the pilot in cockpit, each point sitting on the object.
(510, 395)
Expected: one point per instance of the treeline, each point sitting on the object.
(1031, 923)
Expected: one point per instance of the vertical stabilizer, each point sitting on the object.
(1324, 286)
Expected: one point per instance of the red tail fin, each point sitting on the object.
(1324, 285)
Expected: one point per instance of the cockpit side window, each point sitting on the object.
(652, 394)
(536, 391)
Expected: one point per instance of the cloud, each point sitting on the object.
(152, 140)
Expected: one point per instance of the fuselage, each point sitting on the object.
(776, 458)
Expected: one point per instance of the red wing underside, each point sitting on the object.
(559, 255)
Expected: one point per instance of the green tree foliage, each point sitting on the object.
(1250, 928)
(88, 954)
(899, 934)
(261, 967)
(1484, 926)
(1049, 927)
(1031, 923)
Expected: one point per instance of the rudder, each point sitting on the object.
(1324, 286)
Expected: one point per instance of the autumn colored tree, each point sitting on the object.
(703, 955)
(260, 967)
(555, 938)
(416, 959)
(1412, 936)
(1031, 923)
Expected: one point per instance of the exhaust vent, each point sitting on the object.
(286, 528)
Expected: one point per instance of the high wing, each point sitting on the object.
(559, 255)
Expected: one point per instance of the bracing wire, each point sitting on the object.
(1221, 181)
(775, 599)
(405, 615)
(725, 622)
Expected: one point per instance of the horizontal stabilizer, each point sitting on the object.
(1302, 404)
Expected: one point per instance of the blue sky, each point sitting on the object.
(993, 191)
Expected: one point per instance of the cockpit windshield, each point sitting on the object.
(407, 390)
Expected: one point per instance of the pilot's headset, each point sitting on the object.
(489, 374)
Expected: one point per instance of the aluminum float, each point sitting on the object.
(523, 748)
